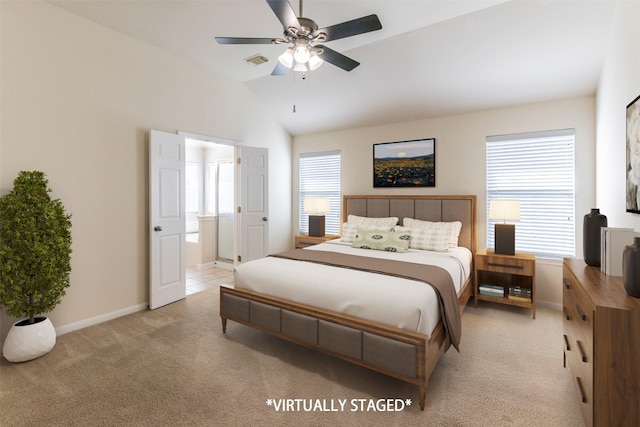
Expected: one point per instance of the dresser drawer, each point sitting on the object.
(578, 312)
(303, 242)
(506, 264)
(577, 322)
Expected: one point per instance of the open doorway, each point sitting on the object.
(168, 213)
(209, 218)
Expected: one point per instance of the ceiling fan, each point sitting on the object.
(303, 35)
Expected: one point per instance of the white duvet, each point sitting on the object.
(394, 301)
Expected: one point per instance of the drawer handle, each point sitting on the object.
(497, 264)
(582, 352)
(567, 315)
(581, 387)
(584, 316)
(566, 342)
(567, 285)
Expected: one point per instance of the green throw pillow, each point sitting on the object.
(391, 241)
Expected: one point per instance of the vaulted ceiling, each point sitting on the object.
(431, 58)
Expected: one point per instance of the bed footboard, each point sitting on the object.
(406, 355)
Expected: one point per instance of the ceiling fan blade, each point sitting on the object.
(337, 59)
(285, 13)
(351, 28)
(243, 40)
(280, 70)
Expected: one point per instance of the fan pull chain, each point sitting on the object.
(304, 77)
(294, 92)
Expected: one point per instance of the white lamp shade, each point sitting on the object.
(301, 53)
(316, 205)
(315, 61)
(504, 210)
(286, 58)
(300, 66)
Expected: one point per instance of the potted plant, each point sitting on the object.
(35, 263)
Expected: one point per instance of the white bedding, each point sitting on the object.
(394, 301)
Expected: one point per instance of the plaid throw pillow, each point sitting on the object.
(381, 222)
(450, 229)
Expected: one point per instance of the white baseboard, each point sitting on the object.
(550, 304)
(100, 319)
(205, 265)
(225, 265)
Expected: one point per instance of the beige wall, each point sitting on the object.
(460, 159)
(78, 101)
(619, 85)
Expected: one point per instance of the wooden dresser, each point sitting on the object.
(601, 326)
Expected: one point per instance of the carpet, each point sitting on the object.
(173, 366)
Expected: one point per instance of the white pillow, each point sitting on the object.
(349, 230)
(363, 220)
(429, 239)
(449, 231)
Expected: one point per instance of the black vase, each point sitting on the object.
(631, 268)
(592, 224)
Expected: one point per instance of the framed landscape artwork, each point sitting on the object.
(633, 156)
(405, 163)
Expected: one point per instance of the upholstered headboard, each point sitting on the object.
(426, 208)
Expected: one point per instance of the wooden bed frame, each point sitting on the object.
(399, 353)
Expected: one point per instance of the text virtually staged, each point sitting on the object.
(338, 405)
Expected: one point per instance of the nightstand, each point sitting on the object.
(505, 279)
(304, 240)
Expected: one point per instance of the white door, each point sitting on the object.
(254, 209)
(166, 219)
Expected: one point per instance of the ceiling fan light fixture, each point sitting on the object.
(286, 58)
(300, 66)
(314, 61)
(301, 53)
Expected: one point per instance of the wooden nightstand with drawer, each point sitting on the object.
(506, 279)
(304, 240)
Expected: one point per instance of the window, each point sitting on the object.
(320, 177)
(537, 169)
(225, 188)
(211, 190)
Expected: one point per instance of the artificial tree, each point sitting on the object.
(35, 248)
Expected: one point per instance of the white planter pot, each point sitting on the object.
(26, 342)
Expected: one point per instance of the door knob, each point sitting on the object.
(264, 218)
(157, 228)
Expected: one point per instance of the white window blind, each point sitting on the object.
(537, 169)
(211, 192)
(320, 177)
(225, 187)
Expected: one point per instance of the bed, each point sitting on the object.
(355, 312)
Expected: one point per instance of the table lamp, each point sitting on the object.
(316, 207)
(505, 234)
